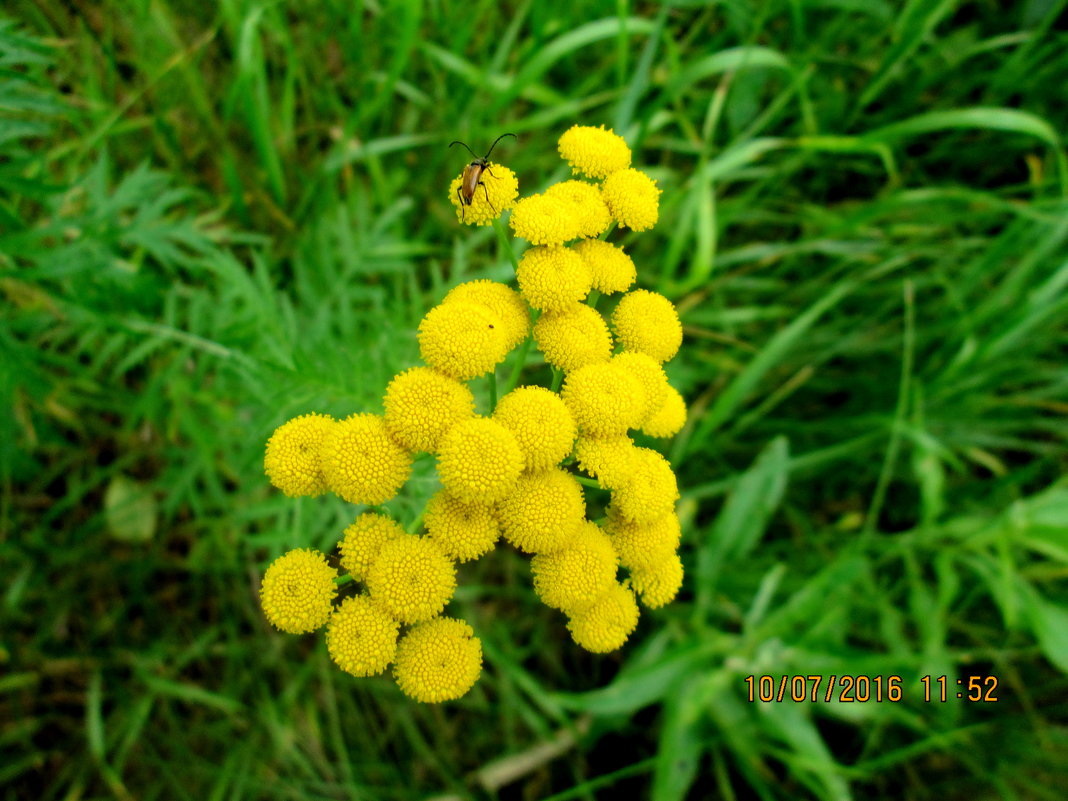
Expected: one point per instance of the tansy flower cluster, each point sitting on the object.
(553, 471)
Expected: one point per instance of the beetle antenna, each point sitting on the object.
(499, 138)
(469, 150)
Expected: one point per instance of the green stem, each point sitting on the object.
(558, 379)
(414, 527)
(592, 298)
(524, 351)
(611, 227)
(493, 390)
(343, 579)
(521, 359)
(588, 482)
(506, 246)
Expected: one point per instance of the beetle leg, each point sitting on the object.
(490, 172)
(484, 189)
(463, 206)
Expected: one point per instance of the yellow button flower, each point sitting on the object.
(361, 638)
(363, 539)
(640, 545)
(607, 624)
(650, 375)
(668, 420)
(411, 579)
(509, 474)
(479, 461)
(462, 340)
(651, 490)
(543, 511)
(422, 404)
(604, 399)
(647, 322)
(503, 301)
(573, 338)
(496, 193)
(659, 581)
(593, 216)
(594, 151)
(608, 459)
(541, 423)
(439, 660)
(633, 199)
(553, 278)
(361, 461)
(297, 591)
(575, 576)
(464, 531)
(292, 460)
(611, 268)
(544, 220)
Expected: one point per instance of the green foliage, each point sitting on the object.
(216, 216)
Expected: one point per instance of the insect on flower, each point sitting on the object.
(472, 177)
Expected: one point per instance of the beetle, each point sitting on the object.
(472, 175)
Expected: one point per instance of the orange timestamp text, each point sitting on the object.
(848, 689)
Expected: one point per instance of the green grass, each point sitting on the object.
(213, 219)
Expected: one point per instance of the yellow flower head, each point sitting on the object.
(479, 461)
(651, 490)
(612, 269)
(292, 460)
(464, 531)
(553, 278)
(641, 545)
(411, 579)
(594, 151)
(650, 374)
(608, 459)
(668, 420)
(361, 461)
(543, 512)
(604, 399)
(573, 338)
(541, 423)
(496, 192)
(361, 638)
(647, 322)
(590, 207)
(632, 198)
(606, 624)
(422, 404)
(545, 220)
(572, 578)
(462, 340)
(363, 539)
(503, 301)
(659, 581)
(438, 661)
(298, 590)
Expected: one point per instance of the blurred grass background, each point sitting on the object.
(215, 217)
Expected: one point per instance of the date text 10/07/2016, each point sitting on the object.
(863, 689)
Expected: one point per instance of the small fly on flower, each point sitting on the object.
(472, 177)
